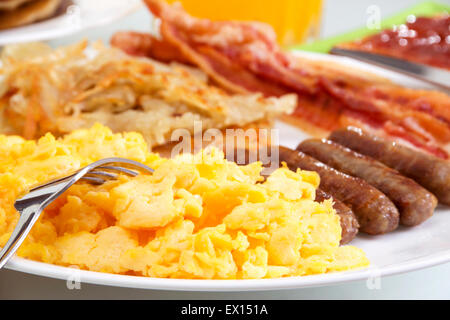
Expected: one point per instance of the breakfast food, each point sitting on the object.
(197, 216)
(430, 172)
(140, 44)
(414, 203)
(348, 220)
(17, 13)
(60, 90)
(244, 57)
(349, 223)
(375, 211)
(421, 39)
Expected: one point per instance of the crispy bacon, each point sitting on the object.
(252, 45)
(244, 57)
(143, 44)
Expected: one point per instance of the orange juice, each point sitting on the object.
(294, 21)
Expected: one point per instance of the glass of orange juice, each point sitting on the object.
(294, 21)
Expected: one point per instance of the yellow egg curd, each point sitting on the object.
(197, 217)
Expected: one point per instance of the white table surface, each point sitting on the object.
(432, 283)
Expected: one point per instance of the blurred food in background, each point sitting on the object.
(294, 21)
(244, 57)
(420, 39)
(15, 13)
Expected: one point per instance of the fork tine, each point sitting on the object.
(125, 163)
(99, 177)
(120, 169)
(102, 174)
(126, 171)
(93, 180)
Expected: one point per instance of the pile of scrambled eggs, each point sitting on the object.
(196, 217)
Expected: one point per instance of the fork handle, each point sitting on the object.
(27, 219)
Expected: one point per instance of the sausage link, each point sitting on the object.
(349, 223)
(429, 171)
(414, 203)
(375, 212)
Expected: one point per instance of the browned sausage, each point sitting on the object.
(375, 212)
(414, 203)
(349, 223)
(429, 171)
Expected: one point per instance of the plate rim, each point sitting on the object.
(200, 285)
(55, 33)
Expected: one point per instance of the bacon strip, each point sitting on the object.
(237, 41)
(143, 44)
(244, 57)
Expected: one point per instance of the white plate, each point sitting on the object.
(401, 251)
(77, 15)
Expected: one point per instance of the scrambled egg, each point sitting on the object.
(196, 217)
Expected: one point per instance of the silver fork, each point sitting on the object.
(33, 203)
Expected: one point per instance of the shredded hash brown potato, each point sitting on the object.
(58, 91)
(197, 217)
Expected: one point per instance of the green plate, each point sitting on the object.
(427, 8)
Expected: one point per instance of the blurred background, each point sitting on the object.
(320, 18)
